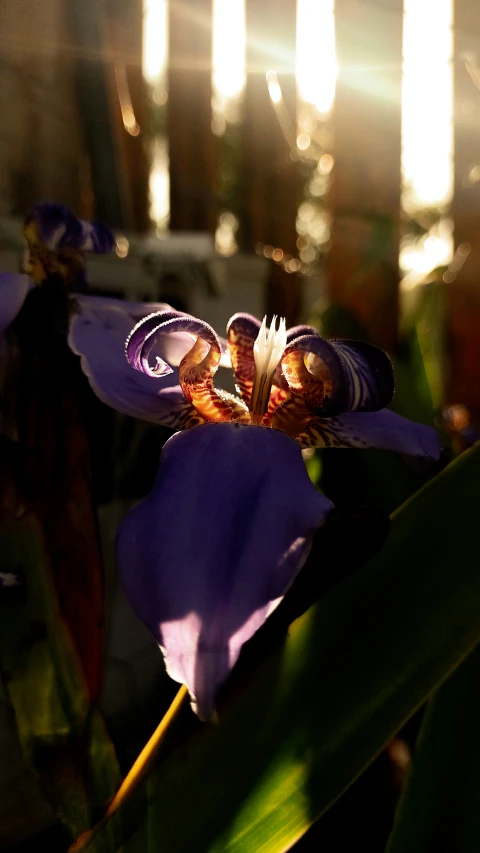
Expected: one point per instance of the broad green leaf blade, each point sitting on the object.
(322, 705)
(440, 807)
(62, 735)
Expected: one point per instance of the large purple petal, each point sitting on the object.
(210, 552)
(98, 333)
(13, 290)
(136, 310)
(384, 430)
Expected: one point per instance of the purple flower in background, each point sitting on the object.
(57, 243)
(216, 544)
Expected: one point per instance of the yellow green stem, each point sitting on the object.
(137, 771)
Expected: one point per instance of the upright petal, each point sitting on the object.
(327, 378)
(292, 333)
(242, 331)
(13, 290)
(210, 552)
(197, 368)
(97, 334)
(384, 430)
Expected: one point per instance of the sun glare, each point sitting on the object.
(155, 40)
(316, 65)
(427, 129)
(427, 102)
(159, 185)
(228, 56)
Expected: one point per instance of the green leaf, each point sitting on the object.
(62, 736)
(329, 697)
(379, 479)
(425, 309)
(412, 397)
(440, 807)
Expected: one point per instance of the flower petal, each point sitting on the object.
(197, 368)
(57, 243)
(98, 334)
(55, 227)
(295, 332)
(242, 331)
(384, 430)
(173, 347)
(13, 290)
(331, 377)
(210, 552)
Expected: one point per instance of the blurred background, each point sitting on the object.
(273, 155)
(318, 159)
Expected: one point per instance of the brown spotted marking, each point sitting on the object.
(196, 372)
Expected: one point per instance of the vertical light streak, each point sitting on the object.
(159, 185)
(154, 66)
(427, 126)
(155, 40)
(316, 64)
(427, 102)
(228, 60)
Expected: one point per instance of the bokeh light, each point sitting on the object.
(225, 241)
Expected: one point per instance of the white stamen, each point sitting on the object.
(268, 349)
(267, 352)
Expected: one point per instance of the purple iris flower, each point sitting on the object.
(212, 550)
(54, 227)
(57, 244)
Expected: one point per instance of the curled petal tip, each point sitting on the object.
(97, 334)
